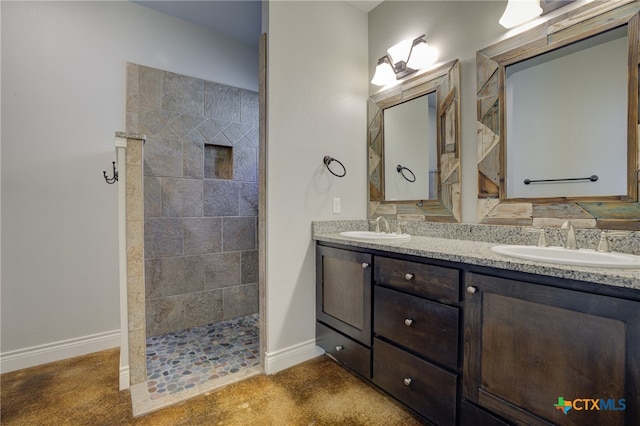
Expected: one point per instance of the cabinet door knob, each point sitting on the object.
(408, 277)
(339, 348)
(408, 322)
(407, 381)
(365, 265)
(471, 290)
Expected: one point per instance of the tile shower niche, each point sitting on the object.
(218, 161)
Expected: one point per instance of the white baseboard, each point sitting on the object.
(288, 357)
(124, 378)
(56, 351)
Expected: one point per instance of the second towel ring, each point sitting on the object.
(328, 160)
(400, 169)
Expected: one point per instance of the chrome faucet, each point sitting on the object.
(386, 222)
(571, 235)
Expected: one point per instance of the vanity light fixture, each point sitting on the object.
(403, 59)
(520, 11)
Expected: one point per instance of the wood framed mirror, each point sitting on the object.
(420, 182)
(497, 202)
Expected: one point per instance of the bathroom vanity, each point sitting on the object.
(461, 335)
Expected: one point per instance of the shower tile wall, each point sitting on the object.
(201, 258)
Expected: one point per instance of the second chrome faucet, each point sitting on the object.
(571, 235)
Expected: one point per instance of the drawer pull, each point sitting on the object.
(471, 290)
(365, 265)
(407, 381)
(408, 277)
(339, 348)
(408, 322)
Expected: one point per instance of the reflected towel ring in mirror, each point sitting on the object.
(328, 160)
(400, 169)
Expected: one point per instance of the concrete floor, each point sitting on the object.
(84, 391)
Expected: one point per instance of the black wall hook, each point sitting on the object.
(327, 161)
(114, 179)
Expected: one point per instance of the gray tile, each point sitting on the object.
(240, 300)
(223, 270)
(155, 122)
(162, 237)
(239, 233)
(253, 136)
(164, 315)
(183, 94)
(203, 308)
(211, 128)
(150, 87)
(192, 159)
(163, 157)
(248, 203)
(132, 87)
(249, 266)
(182, 197)
(245, 161)
(220, 198)
(249, 107)
(222, 102)
(185, 124)
(152, 196)
(153, 278)
(176, 275)
(235, 131)
(202, 235)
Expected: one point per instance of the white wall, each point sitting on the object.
(317, 94)
(63, 98)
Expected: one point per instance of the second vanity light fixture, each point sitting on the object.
(403, 59)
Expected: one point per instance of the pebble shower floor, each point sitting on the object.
(184, 359)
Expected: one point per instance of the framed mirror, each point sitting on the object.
(555, 140)
(414, 148)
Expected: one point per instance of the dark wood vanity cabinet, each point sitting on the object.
(469, 345)
(527, 345)
(416, 340)
(343, 306)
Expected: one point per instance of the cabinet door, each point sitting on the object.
(343, 291)
(531, 350)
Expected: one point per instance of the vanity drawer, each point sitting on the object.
(425, 388)
(430, 281)
(427, 328)
(345, 350)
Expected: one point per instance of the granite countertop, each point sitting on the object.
(479, 253)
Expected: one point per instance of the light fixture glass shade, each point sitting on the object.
(384, 74)
(400, 52)
(520, 11)
(422, 56)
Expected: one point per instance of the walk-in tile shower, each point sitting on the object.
(200, 224)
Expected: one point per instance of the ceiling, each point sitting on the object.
(240, 20)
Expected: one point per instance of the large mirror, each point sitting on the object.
(558, 122)
(414, 148)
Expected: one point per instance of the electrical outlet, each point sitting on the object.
(336, 205)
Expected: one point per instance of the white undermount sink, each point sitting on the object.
(371, 236)
(563, 256)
